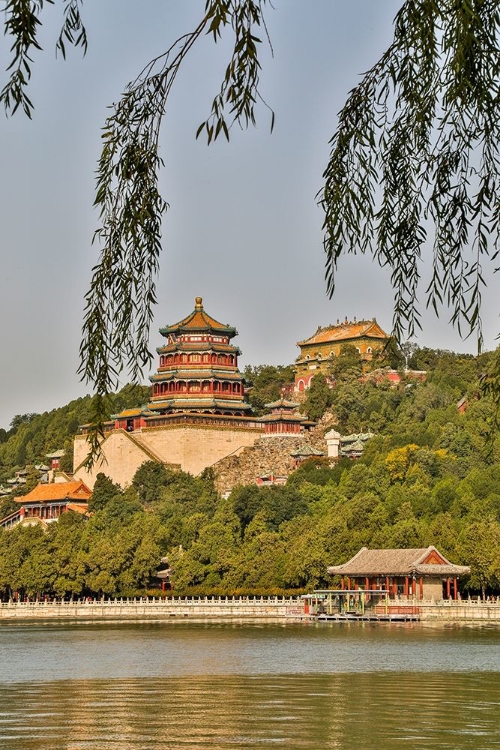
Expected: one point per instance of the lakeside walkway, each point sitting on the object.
(233, 608)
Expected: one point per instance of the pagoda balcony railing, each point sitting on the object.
(191, 418)
(223, 395)
(219, 420)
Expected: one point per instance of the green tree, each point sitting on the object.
(266, 383)
(347, 366)
(478, 544)
(318, 399)
(150, 480)
(105, 490)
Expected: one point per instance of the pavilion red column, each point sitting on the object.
(387, 584)
(349, 583)
(448, 587)
(413, 587)
(421, 587)
(455, 588)
(342, 584)
(367, 583)
(406, 587)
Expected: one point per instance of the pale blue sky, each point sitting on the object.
(243, 229)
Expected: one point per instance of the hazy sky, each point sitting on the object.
(243, 229)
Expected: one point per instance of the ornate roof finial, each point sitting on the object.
(198, 303)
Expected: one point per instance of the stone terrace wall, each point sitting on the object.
(156, 609)
(268, 454)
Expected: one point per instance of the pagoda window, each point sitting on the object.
(183, 357)
(195, 358)
(162, 361)
(369, 350)
(206, 358)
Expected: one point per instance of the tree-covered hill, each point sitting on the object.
(32, 436)
(431, 475)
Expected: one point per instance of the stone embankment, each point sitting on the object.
(227, 608)
(219, 608)
(467, 610)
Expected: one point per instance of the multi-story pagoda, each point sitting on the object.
(198, 368)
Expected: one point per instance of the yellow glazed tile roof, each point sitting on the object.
(44, 493)
(345, 332)
(199, 320)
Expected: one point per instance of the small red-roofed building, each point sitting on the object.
(47, 502)
(55, 459)
(284, 419)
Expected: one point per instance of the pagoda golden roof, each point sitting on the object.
(199, 320)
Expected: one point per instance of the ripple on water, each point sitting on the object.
(237, 688)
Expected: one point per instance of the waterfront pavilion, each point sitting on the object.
(422, 573)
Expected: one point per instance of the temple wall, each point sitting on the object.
(195, 448)
(191, 448)
(433, 589)
(122, 459)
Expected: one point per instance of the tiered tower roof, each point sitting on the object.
(197, 322)
(198, 368)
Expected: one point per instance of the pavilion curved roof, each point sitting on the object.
(345, 332)
(384, 562)
(199, 320)
(57, 491)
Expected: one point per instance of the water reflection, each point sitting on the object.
(232, 688)
(349, 712)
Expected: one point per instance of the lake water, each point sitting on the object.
(368, 686)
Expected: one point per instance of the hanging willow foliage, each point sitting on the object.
(415, 158)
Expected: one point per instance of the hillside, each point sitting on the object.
(33, 436)
(431, 475)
